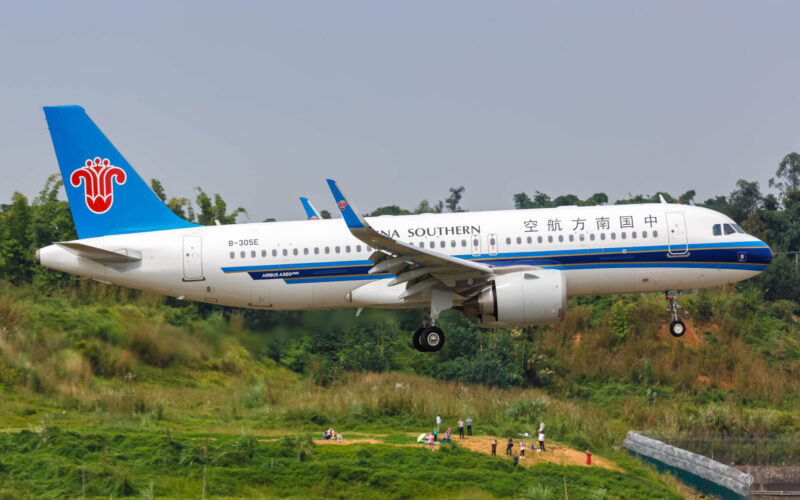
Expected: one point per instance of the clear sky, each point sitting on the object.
(398, 101)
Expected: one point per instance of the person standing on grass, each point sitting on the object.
(447, 435)
(522, 449)
(510, 446)
(435, 434)
(460, 428)
(438, 421)
(541, 441)
(430, 440)
(469, 426)
(494, 447)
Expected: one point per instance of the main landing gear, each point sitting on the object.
(676, 328)
(428, 339)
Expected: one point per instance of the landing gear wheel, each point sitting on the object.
(417, 341)
(677, 328)
(432, 338)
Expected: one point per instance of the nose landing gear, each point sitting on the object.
(677, 328)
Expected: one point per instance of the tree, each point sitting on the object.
(788, 174)
(744, 200)
(425, 207)
(217, 211)
(388, 210)
(325, 214)
(452, 201)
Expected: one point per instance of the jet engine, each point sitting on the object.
(521, 298)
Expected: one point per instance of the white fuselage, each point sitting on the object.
(319, 264)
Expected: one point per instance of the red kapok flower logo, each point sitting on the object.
(98, 179)
(342, 205)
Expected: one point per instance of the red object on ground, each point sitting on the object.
(588, 457)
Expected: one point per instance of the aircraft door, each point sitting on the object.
(492, 244)
(193, 258)
(476, 244)
(677, 239)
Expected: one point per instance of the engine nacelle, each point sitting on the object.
(521, 299)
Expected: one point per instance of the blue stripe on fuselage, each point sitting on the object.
(753, 256)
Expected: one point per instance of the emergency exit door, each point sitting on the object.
(677, 240)
(193, 258)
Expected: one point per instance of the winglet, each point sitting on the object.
(309, 208)
(352, 218)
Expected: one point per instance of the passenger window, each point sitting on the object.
(475, 243)
(285, 252)
(633, 234)
(453, 243)
(613, 235)
(728, 229)
(263, 253)
(571, 237)
(432, 244)
(305, 251)
(422, 244)
(530, 240)
(316, 250)
(327, 250)
(274, 253)
(337, 249)
(241, 254)
(644, 234)
(550, 239)
(560, 238)
(358, 248)
(442, 243)
(347, 248)
(233, 254)
(539, 239)
(492, 241)
(294, 251)
(581, 237)
(508, 241)
(591, 236)
(717, 230)
(655, 234)
(623, 235)
(252, 254)
(368, 249)
(519, 240)
(602, 236)
(463, 243)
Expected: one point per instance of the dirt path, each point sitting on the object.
(555, 453)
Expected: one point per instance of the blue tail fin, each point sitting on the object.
(105, 193)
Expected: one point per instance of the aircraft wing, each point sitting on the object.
(311, 212)
(420, 268)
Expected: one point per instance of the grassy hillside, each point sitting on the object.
(138, 392)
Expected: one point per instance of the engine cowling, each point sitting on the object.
(521, 299)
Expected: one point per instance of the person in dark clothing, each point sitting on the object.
(469, 426)
(494, 447)
(510, 446)
(460, 428)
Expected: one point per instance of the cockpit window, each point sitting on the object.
(738, 228)
(717, 230)
(728, 229)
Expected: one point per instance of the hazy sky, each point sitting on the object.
(261, 101)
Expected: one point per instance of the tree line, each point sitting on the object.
(773, 217)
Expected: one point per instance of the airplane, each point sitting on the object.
(311, 212)
(506, 268)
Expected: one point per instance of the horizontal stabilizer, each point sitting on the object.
(101, 255)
